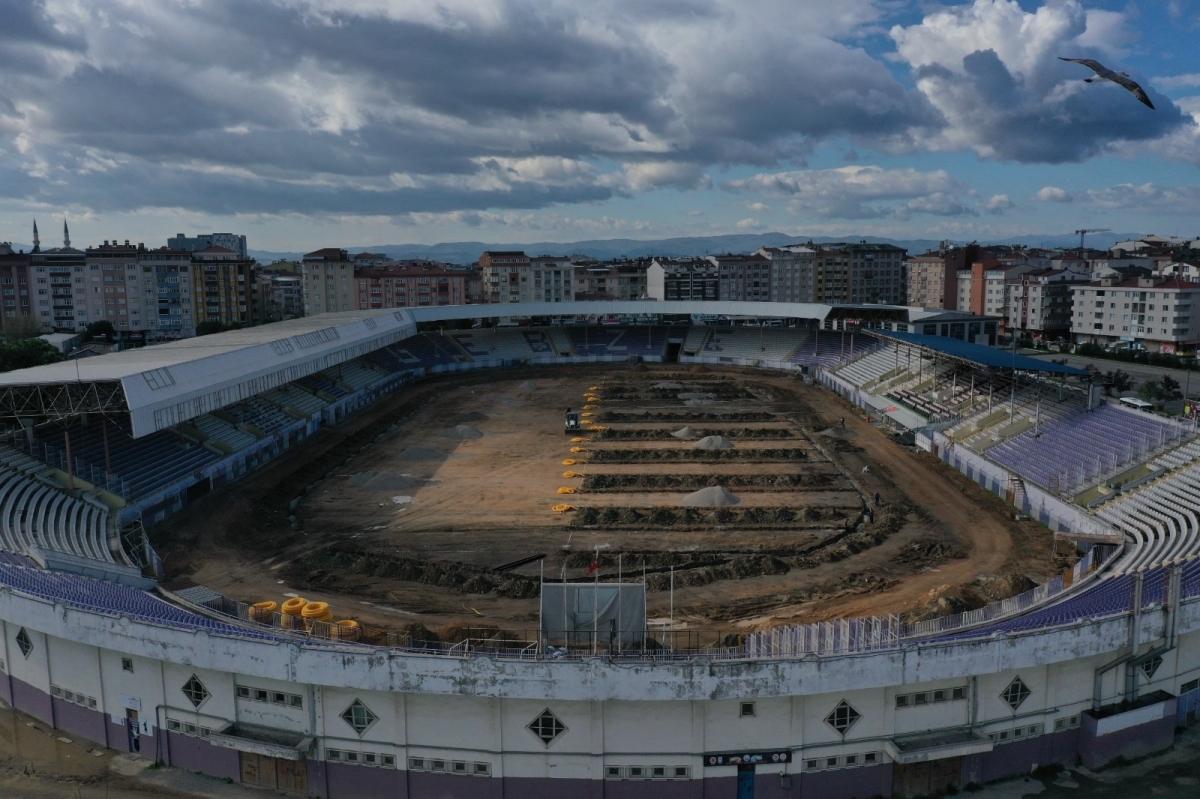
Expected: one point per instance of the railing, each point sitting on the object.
(841, 636)
(1096, 558)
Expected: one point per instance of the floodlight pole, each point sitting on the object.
(596, 603)
(619, 574)
(672, 617)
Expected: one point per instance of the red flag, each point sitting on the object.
(592, 569)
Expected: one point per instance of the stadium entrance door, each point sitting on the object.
(919, 779)
(745, 782)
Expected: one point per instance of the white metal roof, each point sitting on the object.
(170, 383)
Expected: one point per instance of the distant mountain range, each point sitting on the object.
(467, 252)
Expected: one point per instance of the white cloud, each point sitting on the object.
(749, 224)
(1053, 194)
(1147, 196)
(998, 204)
(663, 174)
(993, 71)
(859, 192)
(759, 208)
(1186, 81)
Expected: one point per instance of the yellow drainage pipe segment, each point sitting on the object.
(562, 508)
(293, 606)
(567, 490)
(264, 611)
(317, 611)
(578, 440)
(346, 630)
(572, 474)
(593, 388)
(577, 450)
(569, 462)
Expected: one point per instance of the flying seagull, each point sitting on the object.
(1119, 78)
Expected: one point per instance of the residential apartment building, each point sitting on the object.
(59, 285)
(1039, 303)
(166, 285)
(328, 281)
(113, 288)
(280, 294)
(745, 278)
(683, 279)
(1155, 314)
(859, 273)
(792, 272)
(222, 287)
(505, 276)
(202, 241)
(407, 285)
(553, 279)
(15, 296)
(611, 280)
(932, 278)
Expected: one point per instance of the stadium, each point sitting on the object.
(824, 551)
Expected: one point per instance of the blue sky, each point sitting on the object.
(306, 123)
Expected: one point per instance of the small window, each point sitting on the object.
(127, 665)
(417, 764)
(459, 767)
(195, 691)
(747, 709)
(658, 772)
(921, 699)
(359, 717)
(939, 696)
(189, 728)
(24, 642)
(902, 700)
(295, 701)
(682, 772)
(336, 754)
(279, 699)
(55, 691)
(870, 757)
(243, 692)
(851, 760)
(612, 772)
(352, 757)
(92, 702)
(437, 765)
(1190, 685)
(483, 769)
(831, 762)
(812, 764)
(1060, 724)
(260, 695)
(842, 717)
(1016, 693)
(959, 693)
(370, 758)
(389, 761)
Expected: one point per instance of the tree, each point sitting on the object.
(1170, 389)
(16, 328)
(1117, 380)
(103, 328)
(1150, 391)
(26, 353)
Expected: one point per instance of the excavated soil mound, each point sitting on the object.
(684, 432)
(713, 442)
(711, 497)
(697, 395)
(422, 454)
(462, 431)
(470, 416)
(528, 385)
(668, 384)
(839, 432)
(383, 481)
(700, 370)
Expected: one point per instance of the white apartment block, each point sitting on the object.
(1039, 302)
(1155, 314)
(553, 279)
(328, 281)
(792, 272)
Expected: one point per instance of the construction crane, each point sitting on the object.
(1084, 231)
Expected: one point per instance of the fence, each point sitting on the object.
(1096, 558)
(826, 638)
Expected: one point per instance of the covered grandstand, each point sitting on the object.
(100, 445)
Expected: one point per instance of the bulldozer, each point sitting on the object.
(571, 426)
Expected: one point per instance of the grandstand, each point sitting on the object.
(1096, 664)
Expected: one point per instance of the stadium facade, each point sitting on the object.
(1100, 663)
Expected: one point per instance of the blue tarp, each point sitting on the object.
(977, 353)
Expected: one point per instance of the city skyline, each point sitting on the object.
(361, 123)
